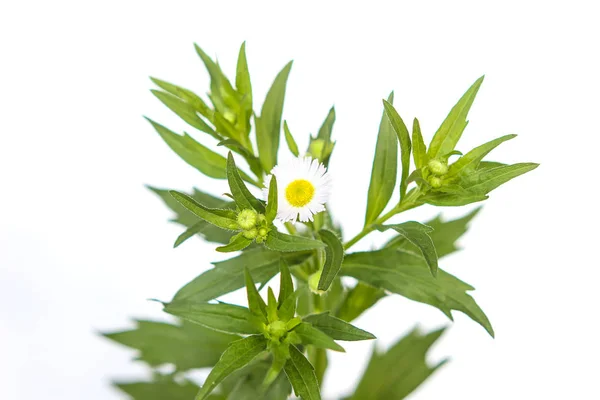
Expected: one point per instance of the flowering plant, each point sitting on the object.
(275, 217)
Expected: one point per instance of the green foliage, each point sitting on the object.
(394, 374)
(266, 348)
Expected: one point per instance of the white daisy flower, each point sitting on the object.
(304, 186)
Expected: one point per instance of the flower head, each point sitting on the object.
(304, 186)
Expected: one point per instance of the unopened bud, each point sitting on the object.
(438, 167)
(250, 233)
(435, 182)
(246, 219)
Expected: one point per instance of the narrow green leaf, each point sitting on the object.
(327, 126)
(470, 161)
(283, 242)
(238, 242)
(336, 328)
(489, 165)
(190, 232)
(163, 388)
(290, 140)
(188, 96)
(334, 255)
(243, 198)
(417, 234)
(268, 125)
(228, 275)
(203, 159)
(484, 181)
(242, 80)
(286, 285)
(405, 146)
(221, 316)
(407, 274)
(187, 346)
(301, 375)
(451, 130)
(385, 169)
(394, 374)
(224, 219)
(359, 299)
(237, 355)
(287, 309)
(450, 199)
(419, 150)
(311, 335)
(185, 111)
(256, 304)
(219, 84)
(271, 211)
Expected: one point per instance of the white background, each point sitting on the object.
(83, 244)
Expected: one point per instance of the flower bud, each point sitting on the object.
(438, 167)
(277, 329)
(247, 218)
(250, 233)
(435, 182)
(262, 232)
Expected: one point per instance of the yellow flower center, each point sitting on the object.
(299, 192)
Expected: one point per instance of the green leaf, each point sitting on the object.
(268, 125)
(323, 139)
(289, 139)
(271, 211)
(256, 304)
(189, 97)
(242, 80)
(470, 161)
(359, 299)
(316, 337)
(407, 274)
(238, 242)
(417, 234)
(451, 199)
(451, 130)
(283, 242)
(220, 87)
(224, 219)
(394, 374)
(187, 346)
(243, 198)
(327, 126)
(185, 111)
(385, 169)
(405, 145)
(482, 182)
(221, 316)
(203, 159)
(419, 150)
(237, 355)
(336, 328)
(228, 275)
(301, 375)
(246, 384)
(165, 388)
(286, 284)
(334, 255)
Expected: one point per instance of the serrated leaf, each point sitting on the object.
(256, 304)
(286, 284)
(311, 335)
(359, 299)
(394, 374)
(419, 150)
(237, 355)
(185, 111)
(289, 139)
(221, 316)
(271, 211)
(334, 255)
(224, 219)
(470, 161)
(238, 242)
(405, 146)
(268, 125)
(165, 388)
(243, 198)
(228, 275)
(301, 375)
(484, 181)
(385, 169)
(417, 234)
(187, 346)
(407, 274)
(336, 328)
(451, 130)
(283, 242)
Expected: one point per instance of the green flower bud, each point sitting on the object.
(438, 167)
(247, 218)
(435, 182)
(261, 219)
(263, 232)
(313, 282)
(277, 329)
(250, 233)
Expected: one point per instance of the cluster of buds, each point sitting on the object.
(254, 225)
(437, 168)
